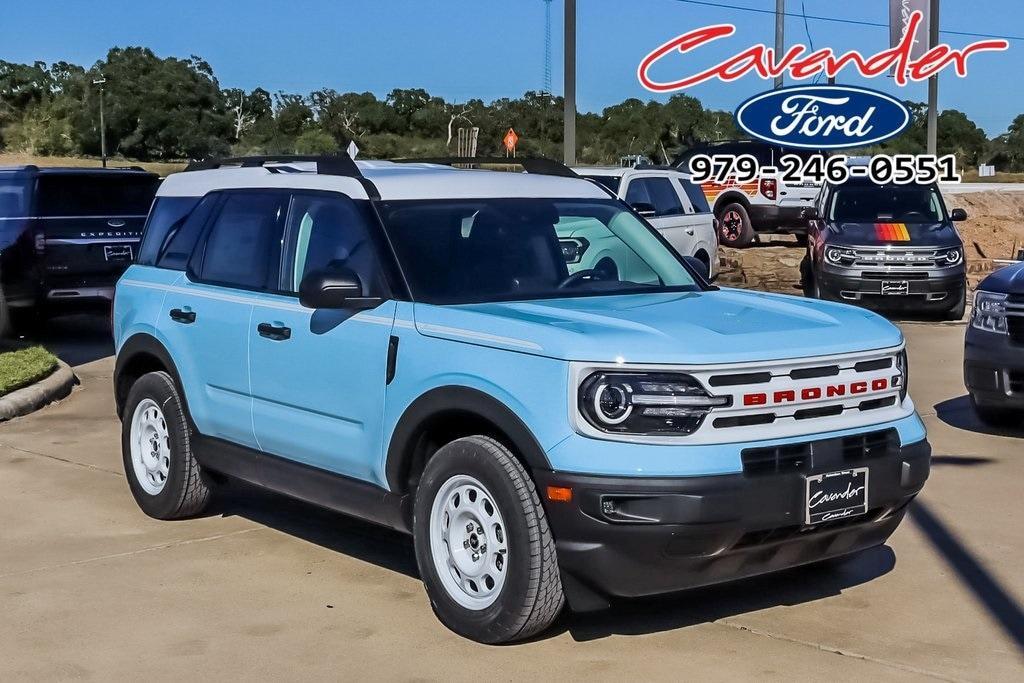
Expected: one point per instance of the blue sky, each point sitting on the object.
(486, 48)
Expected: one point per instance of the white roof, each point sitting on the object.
(392, 180)
(620, 171)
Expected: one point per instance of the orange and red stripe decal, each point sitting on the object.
(892, 232)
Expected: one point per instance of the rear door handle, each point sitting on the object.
(183, 317)
(274, 332)
(689, 231)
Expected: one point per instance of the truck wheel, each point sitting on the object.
(958, 309)
(483, 545)
(156, 447)
(734, 227)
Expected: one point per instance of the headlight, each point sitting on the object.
(989, 312)
(573, 249)
(646, 403)
(903, 365)
(836, 255)
(953, 257)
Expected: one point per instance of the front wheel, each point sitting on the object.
(483, 545)
(958, 309)
(163, 474)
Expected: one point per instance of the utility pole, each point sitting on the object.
(570, 83)
(103, 128)
(933, 82)
(780, 35)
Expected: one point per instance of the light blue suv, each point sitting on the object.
(406, 343)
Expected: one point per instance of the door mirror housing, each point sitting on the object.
(644, 209)
(335, 288)
(702, 269)
(809, 213)
(958, 215)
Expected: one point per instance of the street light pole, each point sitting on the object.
(780, 36)
(933, 82)
(103, 128)
(569, 114)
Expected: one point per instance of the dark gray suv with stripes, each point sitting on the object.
(66, 235)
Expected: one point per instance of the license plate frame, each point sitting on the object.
(895, 287)
(843, 502)
(118, 253)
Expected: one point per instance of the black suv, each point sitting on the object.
(994, 353)
(66, 235)
(886, 246)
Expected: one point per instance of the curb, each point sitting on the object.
(54, 387)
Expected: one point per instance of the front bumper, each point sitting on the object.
(631, 537)
(938, 290)
(994, 369)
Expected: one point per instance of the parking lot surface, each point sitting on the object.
(263, 587)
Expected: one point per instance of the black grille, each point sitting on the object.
(870, 445)
(1015, 323)
(819, 456)
(737, 380)
(895, 276)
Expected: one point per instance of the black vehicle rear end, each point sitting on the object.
(68, 236)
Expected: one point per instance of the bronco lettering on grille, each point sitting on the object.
(814, 393)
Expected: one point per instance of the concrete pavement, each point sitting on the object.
(263, 587)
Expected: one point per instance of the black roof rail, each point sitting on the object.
(657, 167)
(536, 165)
(326, 164)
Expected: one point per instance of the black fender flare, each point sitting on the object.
(136, 346)
(729, 197)
(457, 399)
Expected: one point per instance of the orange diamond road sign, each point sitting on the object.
(510, 140)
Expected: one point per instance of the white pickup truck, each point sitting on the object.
(670, 202)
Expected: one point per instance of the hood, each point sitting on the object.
(725, 326)
(1007, 280)
(896, 234)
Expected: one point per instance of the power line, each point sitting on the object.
(857, 22)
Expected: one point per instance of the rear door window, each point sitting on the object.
(94, 194)
(696, 195)
(243, 245)
(14, 195)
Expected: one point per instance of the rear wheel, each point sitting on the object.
(483, 545)
(163, 474)
(734, 226)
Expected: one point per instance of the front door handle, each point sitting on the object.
(183, 317)
(274, 332)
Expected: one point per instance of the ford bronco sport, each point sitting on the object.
(405, 343)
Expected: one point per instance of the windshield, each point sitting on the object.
(610, 181)
(484, 250)
(887, 204)
(95, 194)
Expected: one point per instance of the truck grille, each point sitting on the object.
(807, 457)
(900, 258)
(1015, 318)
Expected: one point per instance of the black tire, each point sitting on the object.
(959, 308)
(187, 491)
(995, 416)
(807, 276)
(531, 597)
(734, 226)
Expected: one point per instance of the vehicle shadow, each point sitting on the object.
(958, 413)
(325, 528)
(77, 339)
(791, 587)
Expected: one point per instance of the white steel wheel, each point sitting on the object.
(468, 542)
(150, 445)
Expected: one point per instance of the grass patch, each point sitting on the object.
(24, 367)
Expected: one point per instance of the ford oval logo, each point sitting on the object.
(823, 116)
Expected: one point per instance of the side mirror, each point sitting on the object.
(702, 269)
(809, 213)
(644, 209)
(958, 215)
(334, 288)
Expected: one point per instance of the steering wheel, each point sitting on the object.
(579, 276)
